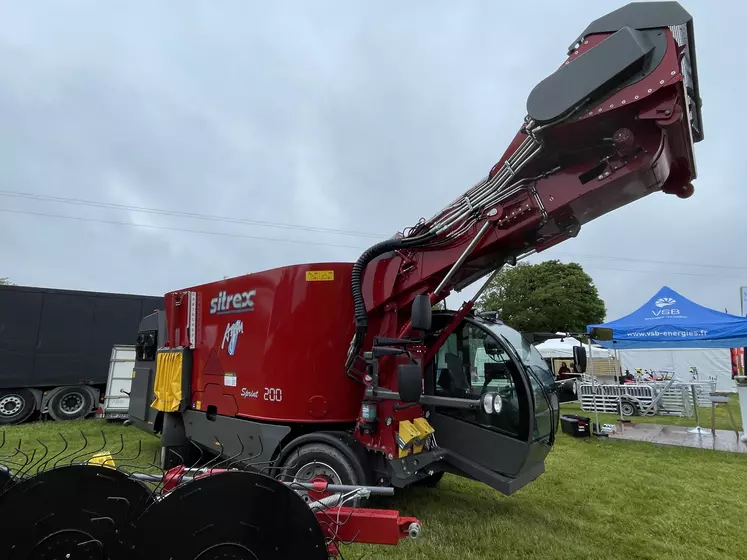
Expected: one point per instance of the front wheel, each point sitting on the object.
(320, 461)
(16, 405)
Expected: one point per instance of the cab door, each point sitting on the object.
(495, 448)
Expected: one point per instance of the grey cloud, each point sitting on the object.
(352, 116)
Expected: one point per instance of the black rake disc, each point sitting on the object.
(238, 515)
(76, 512)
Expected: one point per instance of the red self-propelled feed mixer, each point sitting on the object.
(338, 380)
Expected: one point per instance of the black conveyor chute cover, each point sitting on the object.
(591, 76)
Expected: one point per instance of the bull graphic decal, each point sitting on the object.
(231, 336)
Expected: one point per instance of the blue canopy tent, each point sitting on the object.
(670, 320)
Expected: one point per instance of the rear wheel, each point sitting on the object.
(70, 403)
(16, 405)
(320, 462)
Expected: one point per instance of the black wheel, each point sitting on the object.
(228, 516)
(320, 461)
(70, 403)
(628, 408)
(16, 405)
(86, 509)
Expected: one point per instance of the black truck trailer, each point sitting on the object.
(55, 348)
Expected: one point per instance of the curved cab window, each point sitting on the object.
(473, 362)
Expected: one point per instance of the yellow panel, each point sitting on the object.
(167, 386)
(424, 427)
(320, 275)
(424, 430)
(408, 434)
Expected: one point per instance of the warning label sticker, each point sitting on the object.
(229, 379)
(320, 275)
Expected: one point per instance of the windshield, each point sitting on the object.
(527, 353)
(546, 408)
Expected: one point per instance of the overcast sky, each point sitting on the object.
(358, 117)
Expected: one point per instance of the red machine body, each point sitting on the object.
(291, 326)
(399, 395)
(266, 345)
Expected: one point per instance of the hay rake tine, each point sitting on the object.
(46, 452)
(229, 460)
(209, 464)
(115, 454)
(26, 462)
(138, 470)
(74, 453)
(91, 454)
(199, 450)
(8, 459)
(247, 461)
(15, 453)
(46, 463)
(136, 457)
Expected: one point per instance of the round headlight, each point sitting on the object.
(487, 403)
(497, 404)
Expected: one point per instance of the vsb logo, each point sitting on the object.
(661, 312)
(664, 304)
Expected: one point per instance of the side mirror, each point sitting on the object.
(538, 337)
(409, 382)
(422, 313)
(601, 333)
(579, 357)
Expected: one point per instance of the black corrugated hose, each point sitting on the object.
(356, 281)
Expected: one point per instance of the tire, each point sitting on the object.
(320, 460)
(628, 409)
(70, 403)
(16, 405)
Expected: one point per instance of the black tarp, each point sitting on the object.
(54, 337)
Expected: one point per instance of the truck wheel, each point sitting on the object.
(16, 405)
(315, 461)
(70, 403)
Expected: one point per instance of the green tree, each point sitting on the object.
(5, 281)
(550, 296)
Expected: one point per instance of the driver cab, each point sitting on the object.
(473, 362)
(503, 439)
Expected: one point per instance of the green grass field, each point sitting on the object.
(599, 499)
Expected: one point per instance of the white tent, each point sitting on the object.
(563, 348)
(713, 364)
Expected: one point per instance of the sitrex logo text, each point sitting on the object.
(225, 303)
